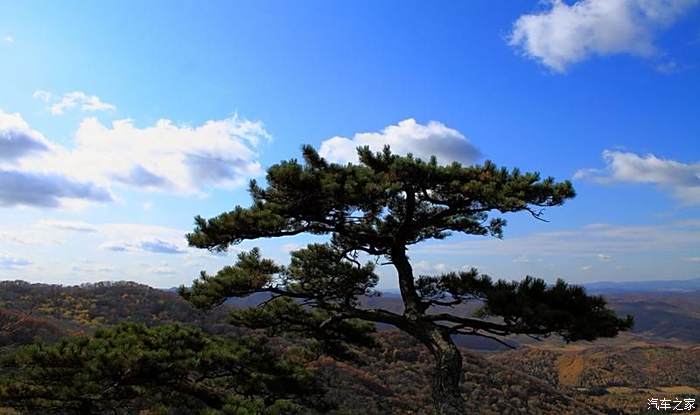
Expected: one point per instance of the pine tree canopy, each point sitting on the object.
(377, 209)
(385, 200)
(165, 369)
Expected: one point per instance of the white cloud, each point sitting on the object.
(162, 269)
(680, 179)
(428, 267)
(91, 267)
(521, 258)
(153, 245)
(408, 136)
(288, 248)
(42, 95)
(12, 263)
(668, 68)
(79, 99)
(120, 237)
(21, 234)
(8, 39)
(16, 238)
(75, 226)
(60, 252)
(564, 34)
(19, 188)
(18, 140)
(116, 237)
(166, 157)
(587, 241)
(19, 145)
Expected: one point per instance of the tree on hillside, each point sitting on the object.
(10, 321)
(379, 208)
(166, 369)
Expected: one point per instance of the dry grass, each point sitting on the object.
(571, 366)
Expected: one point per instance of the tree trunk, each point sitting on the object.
(447, 375)
(412, 305)
(447, 397)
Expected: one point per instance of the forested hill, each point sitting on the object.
(94, 304)
(393, 378)
(50, 311)
(380, 381)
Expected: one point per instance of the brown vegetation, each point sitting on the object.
(541, 379)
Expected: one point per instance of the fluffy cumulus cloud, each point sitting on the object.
(408, 136)
(680, 179)
(179, 159)
(165, 156)
(36, 187)
(45, 190)
(564, 33)
(17, 139)
(75, 99)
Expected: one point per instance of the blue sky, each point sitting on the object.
(121, 121)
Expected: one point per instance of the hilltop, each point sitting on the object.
(622, 377)
(546, 378)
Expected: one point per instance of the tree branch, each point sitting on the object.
(494, 338)
(463, 322)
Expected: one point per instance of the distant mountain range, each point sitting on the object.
(663, 310)
(609, 287)
(604, 287)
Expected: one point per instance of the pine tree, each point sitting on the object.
(165, 369)
(379, 208)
